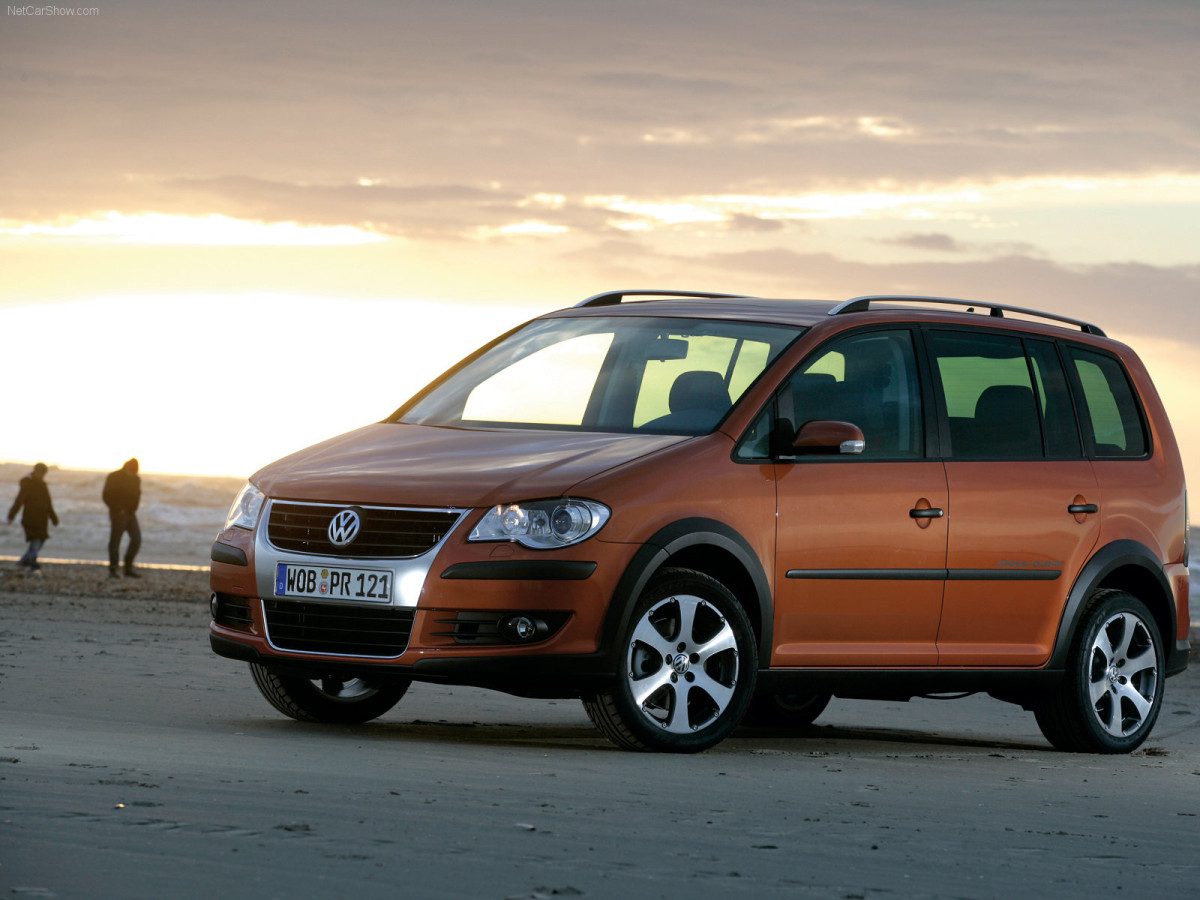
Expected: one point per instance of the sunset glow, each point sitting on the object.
(208, 217)
(212, 231)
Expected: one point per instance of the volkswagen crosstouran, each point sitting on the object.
(682, 508)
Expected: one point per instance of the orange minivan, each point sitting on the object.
(685, 508)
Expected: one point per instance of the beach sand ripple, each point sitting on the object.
(92, 581)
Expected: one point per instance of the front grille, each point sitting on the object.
(387, 532)
(342, 630)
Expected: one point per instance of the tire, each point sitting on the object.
(330, 699)
(688, 663)
(786, 710)
(1111, 693)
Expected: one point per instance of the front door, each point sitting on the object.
(861, 540)
(859, 578)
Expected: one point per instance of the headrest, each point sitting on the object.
(699, 390)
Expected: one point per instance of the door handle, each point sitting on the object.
(933, 513)
(1083, 509)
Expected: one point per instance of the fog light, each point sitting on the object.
(522, 628)
(214, 605)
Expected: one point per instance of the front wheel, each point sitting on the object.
(328, 698)
(1111, 693)
(688, 664)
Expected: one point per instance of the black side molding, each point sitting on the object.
(869, 574)
(521, 570)
(233, 556)
(1006, 574)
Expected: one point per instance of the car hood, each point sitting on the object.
(422, 465)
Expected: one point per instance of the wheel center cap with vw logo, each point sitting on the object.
(344, 527)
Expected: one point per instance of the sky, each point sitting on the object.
(230, 229)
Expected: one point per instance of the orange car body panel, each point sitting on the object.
(988, 623)
(845, 516)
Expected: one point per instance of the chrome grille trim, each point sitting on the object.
(388, 532)
(408, 573)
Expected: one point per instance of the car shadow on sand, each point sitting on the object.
(810, 740)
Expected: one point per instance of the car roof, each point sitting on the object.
(748, 309)
(696, 304)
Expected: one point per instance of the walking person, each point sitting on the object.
(122, 493)
(34, 497)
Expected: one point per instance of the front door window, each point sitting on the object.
(870, 380)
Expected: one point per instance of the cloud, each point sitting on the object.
(740, 128)
(942, 243)
(1115, 296)
(659, 84)
(621, 97)
(416, 211)
(744, 222)
(211, 230)
(937, 242)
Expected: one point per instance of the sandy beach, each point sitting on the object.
(136, 763)
(129, 750)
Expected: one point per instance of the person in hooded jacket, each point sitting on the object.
(122, 493)
(34, 497)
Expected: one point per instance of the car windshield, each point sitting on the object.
(618, 374)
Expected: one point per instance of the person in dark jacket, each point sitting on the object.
(34, 497)
(122, 493)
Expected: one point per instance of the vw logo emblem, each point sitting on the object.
(344, 528)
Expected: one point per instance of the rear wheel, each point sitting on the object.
(688, 664)
(1111, 693)
(329, 698)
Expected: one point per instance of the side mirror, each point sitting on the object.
(826, 436)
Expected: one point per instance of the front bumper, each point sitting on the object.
(449, 622)
(563, 676)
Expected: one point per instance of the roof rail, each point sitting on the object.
(862, 304)
(611, 298)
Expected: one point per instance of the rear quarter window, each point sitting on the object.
(1111, 412)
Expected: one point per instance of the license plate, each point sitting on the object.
(333, 583)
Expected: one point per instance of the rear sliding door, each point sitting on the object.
(1023, 506)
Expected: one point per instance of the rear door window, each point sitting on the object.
(994, 405)
(1054, 401)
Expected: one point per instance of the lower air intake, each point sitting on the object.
(341, 630)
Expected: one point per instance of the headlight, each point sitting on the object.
(246, 506)
(542, 524)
